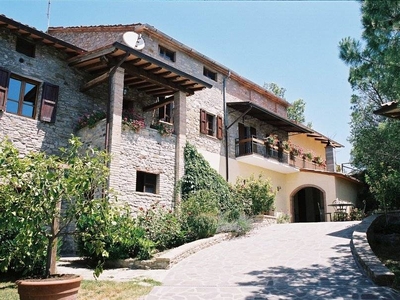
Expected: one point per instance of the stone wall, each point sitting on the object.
(48, 65)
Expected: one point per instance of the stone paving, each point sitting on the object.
(283, 261)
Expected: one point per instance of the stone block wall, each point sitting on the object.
(48, 65)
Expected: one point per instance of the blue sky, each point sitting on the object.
(291, 43)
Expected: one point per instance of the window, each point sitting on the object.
(18, 95)
(210, 124)
(210, 74)
(165, 113)
(25, 47)
(166, 53)
(146, 182)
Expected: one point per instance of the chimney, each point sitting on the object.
(330, 157)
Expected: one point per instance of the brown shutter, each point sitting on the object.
(203, 121)
(49, 103)
(219, 128)
(4, 82)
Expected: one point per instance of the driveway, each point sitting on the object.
(282, 261)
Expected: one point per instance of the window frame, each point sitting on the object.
(25, 47)
(21, 93)
(211, 124)
(210, 74)
(166, 53)
(145, 180)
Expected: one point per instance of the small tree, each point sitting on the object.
(256, 194)
(32, 189)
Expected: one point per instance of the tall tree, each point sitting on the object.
(375, 78)
(295, 112)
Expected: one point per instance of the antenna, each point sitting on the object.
(48, 15)
(133, 40)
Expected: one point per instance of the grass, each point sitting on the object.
(93, 290)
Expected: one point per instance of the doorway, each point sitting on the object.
(307, 204)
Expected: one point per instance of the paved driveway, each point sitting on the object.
(285, 261)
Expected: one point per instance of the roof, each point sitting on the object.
(256, 111)
(142, 72)
(323, 139)
(169, 41)
(389, 109)
(38, 36)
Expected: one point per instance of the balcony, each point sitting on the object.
(255, 151)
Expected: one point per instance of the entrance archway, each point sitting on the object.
(307, 205)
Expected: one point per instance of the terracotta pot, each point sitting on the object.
(60, 287)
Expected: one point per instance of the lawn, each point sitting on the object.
(93, 290)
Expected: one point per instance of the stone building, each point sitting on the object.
(173, 89)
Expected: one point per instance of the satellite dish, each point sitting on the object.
(133, 40)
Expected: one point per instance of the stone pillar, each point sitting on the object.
(180, 132)
(114, 139)
(330, 158)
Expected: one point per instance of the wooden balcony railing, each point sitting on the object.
(254, 145)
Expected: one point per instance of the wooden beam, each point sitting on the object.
(94, 82)
(159, 104)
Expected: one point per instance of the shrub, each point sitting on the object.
(256, 194)
(90, 119)
(199, 213)
(237, 227)
(116, 232)
(161, 226)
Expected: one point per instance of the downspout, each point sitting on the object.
(226, 126)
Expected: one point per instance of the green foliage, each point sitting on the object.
(256, 194)
(275, 89)
(295, 112)
(31, 191)
(239, 226)
(199, 213)
(115, 232)
(161, 226)
(374, 76)
(200, 176)
(283, 218)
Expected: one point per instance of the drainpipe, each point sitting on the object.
(226, 125)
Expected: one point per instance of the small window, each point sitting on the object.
(210, 74)
(210, 124)
(166, 53)
(165, 113)
(22, 96)
(18, 95)
(146, 182)
(25, 47)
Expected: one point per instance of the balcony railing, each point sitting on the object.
(257, 146)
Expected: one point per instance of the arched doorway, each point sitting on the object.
(307, 204)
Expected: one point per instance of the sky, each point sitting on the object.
(291, 43)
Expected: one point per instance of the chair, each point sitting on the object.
(323, 214)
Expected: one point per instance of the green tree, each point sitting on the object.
(295, 112)
(32, 189)
(374, 76)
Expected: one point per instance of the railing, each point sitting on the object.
(254, 145)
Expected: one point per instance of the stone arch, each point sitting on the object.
(308, 204)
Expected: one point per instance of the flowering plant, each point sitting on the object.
(271, 139)
(90, 119)
(309, 155)
(133, 120)
(296, 150)
(163, 128)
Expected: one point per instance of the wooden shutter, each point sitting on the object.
(219, 128)
(203, 121)
(49, 103)
(4, 82)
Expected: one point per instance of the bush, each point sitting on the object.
(256, 194)
(199, 213)
(161, 226)
(116, 232)
(237, 227)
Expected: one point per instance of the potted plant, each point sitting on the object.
(40, 197)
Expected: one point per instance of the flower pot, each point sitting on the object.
(60, 287)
